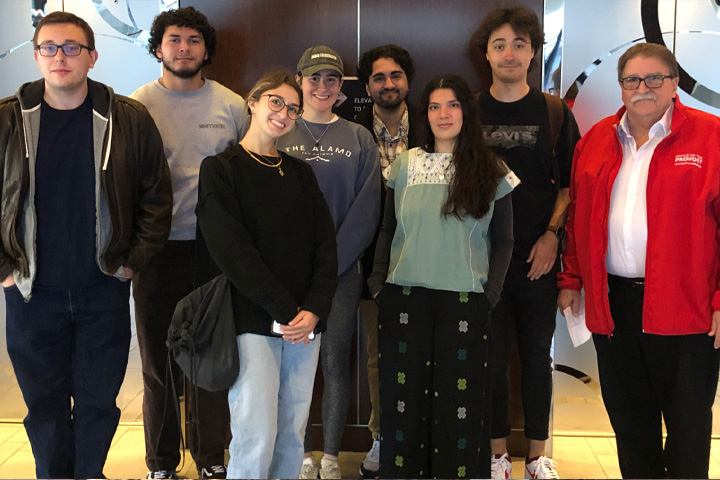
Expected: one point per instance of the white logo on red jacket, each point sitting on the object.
(689, 159)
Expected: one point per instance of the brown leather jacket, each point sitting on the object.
(133, 194)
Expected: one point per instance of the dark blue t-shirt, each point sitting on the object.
(65, 198)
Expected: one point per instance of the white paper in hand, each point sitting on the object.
(577, 329)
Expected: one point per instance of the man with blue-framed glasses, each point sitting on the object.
(86, 203)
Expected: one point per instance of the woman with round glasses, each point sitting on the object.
(267, 227)
(345, 160)
(441, 258)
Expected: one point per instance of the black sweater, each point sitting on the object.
(273, 237)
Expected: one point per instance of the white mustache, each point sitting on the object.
(643, 96)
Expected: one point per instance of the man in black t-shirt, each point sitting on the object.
(86, 202)
(518, 125)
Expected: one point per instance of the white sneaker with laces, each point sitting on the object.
(329, 468)
(371, 464)
(501, 468)
(543, 467)
(309, 469)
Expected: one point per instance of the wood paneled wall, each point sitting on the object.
(256, 35)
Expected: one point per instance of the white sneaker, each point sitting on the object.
(161, 473)
(370, 466)
(309, 469)
(543, 467)
(329, 468)
(501, 468)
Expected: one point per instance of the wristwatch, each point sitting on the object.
(558, 231)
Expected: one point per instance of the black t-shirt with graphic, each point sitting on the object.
(520, 133)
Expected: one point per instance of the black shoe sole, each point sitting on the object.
(365, 473)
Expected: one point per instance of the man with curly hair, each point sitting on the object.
(536, 135)
(386, 71)
(197, 118)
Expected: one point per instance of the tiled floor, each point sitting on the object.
(577, 457)
(578, 410)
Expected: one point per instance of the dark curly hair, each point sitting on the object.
(183, 17)
(477, 168)
(398, 54)
(522, 20)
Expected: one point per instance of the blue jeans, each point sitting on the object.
(269, 406)
(69, 348)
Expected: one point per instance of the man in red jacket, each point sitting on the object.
(644, 242)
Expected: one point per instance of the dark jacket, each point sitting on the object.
(365, 118)
(133, 195)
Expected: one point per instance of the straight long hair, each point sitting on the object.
(477, 168)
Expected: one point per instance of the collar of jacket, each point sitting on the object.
(30, 94)
(678, 117)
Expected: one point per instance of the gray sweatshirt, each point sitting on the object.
(347, 166)
(193, 125)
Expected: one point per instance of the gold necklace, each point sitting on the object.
(267, 164)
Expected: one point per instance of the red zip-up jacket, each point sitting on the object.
(682, 267)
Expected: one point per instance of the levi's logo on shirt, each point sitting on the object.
(689, 159)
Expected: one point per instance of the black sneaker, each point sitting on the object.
(162, 474)
(216, 471)
(370, 466)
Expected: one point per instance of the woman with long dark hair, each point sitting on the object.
(268, 228)
(444, 247)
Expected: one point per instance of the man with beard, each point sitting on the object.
(386, 70)
(536, 136)
(197, 118)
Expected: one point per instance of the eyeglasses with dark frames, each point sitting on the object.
(276, 103)
(651, 81)
(68, 49)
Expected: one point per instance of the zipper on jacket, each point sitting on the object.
(647, 244)
(102, 187)
(25, 138)
(31, 194)
(608, 191)
(109, 142)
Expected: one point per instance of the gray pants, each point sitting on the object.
(335, 361)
